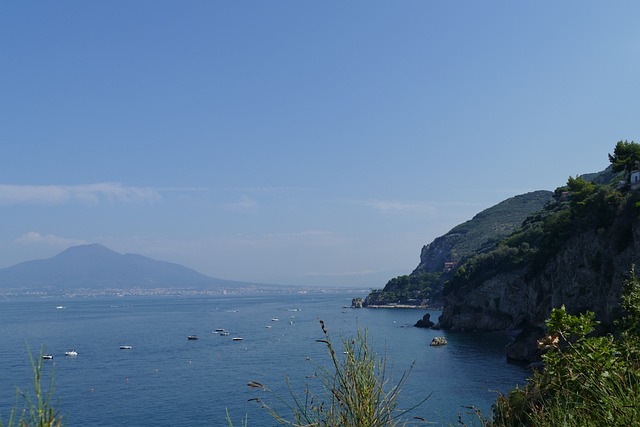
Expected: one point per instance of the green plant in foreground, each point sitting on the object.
(245, 421)
(586, 380)
(356, 391)
(37, 411)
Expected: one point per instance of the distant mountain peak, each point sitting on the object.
(96, 266)
(94, 249)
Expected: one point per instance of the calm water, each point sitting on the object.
(167, 380)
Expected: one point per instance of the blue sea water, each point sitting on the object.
(167, 380)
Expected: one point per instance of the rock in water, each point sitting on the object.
(437, 341)
(425, 322)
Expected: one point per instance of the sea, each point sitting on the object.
(166, 379)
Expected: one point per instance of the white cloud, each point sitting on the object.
(245, 204)
(401, 208)
(34, 237)
(90, 194)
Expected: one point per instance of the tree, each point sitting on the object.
(580, 190)
(626, 156)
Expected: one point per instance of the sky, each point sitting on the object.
(298, 142)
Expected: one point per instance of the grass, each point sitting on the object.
(355, 390)
(37, 409)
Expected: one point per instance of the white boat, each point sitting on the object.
(219, 330)
(47, 356)
(237, 339)
(192, 337)
(71, 353)
(224, 333)
(126, 347)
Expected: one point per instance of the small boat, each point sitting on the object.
(71, 353)
(126, 347)
(237, 339)
(47, 356)
(219, 330)
(224, 333)
(275, 319)
(192, 337)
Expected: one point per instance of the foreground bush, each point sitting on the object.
(356, 391)
(585, 380)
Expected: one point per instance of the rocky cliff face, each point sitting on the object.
(439, 259)
(435, 254)
(586, 272)
(484, 229)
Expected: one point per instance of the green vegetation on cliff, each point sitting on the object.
(439, 259)
(525, 233)
(586, 379)
(575, 252)
(411, 289)
(577, 207)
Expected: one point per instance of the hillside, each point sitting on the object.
(577, 252)
(482, 231)
(95, 266)
(438, 259)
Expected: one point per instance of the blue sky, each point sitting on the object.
(298, 142)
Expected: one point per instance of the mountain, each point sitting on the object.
(577, 252)
(439, 258)
(95, 266)
(482, 231)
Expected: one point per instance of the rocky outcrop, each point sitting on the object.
(586, 272)
(438, 341)
(483, 229)
(440, 258)
(525, 347)
(425, 322)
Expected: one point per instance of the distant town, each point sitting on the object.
(237, 291)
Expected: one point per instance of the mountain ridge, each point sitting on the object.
(576, 253)
(95, 266)
(439, 258)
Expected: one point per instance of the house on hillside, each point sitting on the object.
(448, 266)
(634, 179)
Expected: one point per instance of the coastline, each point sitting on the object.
(405, 306)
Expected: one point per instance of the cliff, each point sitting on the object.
(439, 258)
(576, 253)
(482, 231)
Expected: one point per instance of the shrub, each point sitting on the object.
(585, 380)
(357, 391)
